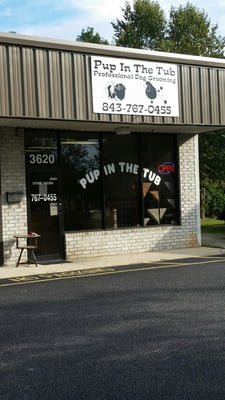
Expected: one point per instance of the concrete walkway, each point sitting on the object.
(117, 260)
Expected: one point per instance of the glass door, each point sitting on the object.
(43, 194)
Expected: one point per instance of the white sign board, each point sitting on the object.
(137, 87)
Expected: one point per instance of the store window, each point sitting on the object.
(159, 179)
(113, 181)
(121, 180)
(81, 183)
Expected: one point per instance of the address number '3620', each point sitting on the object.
(41, 158)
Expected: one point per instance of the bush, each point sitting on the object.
(215, 200)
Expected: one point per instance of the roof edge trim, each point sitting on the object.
(108, 50)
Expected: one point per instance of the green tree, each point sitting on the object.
(189, 31)
(212, 173)
(212, 161)
(214, 199)
(142, 27)
(90, 36)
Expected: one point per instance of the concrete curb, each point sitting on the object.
(109, 261)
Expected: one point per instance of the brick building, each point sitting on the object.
(99, 146)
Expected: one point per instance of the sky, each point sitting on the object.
(65, 19)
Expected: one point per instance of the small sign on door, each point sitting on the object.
(53, 209)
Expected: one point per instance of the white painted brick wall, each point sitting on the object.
(14, 216)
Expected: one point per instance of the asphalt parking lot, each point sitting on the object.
(141, 332)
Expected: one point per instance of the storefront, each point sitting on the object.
(99, 146)
(91, 181)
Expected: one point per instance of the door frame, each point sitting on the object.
(39, 168)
